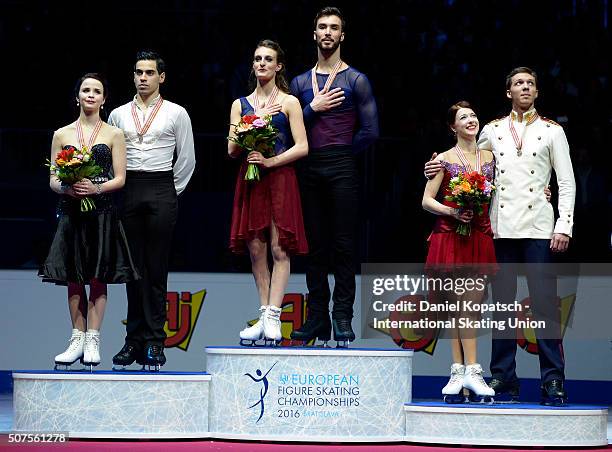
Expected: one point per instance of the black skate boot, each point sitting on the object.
(553, 393)
(126, 356)
(343, 332)
(316, 327)
(505, 391)
(154, 357)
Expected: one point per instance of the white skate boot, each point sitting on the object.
(73, 353)
(272, 325)
(254, 333)
(91, 349)
(453, 391)
(473, 381)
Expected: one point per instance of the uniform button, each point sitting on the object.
(532, 171)
(534, 154)
(569, 216)
(568, 221)
(531, 189)
(501, 205)
(499, 138)
(503, 171)
(501, 153)
(547, 125)
(503, 188)
(496, 125)
(539, 138)
(530, 206)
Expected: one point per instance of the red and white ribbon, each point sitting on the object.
(330, 79)
(269, 101)
(518, 141)
(92, 137)
(464, 161)
(142, 129)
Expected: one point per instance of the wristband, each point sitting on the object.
(98, 189)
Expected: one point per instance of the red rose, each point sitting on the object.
(248, 119)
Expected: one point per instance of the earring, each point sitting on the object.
(101, 107)
(78, 103)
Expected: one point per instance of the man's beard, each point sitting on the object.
(331, 49)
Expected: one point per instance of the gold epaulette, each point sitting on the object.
(550, 121)
(497, 120)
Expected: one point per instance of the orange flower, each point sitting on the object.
(465, 186)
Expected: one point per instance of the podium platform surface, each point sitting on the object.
(308, 393)
(112, 404)
(508, 424)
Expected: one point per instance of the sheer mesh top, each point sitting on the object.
(354, 122)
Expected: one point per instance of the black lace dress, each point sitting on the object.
(90, 244)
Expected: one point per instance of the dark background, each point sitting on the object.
(420, 56)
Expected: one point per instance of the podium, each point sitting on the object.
(306, 394)
(309, 394)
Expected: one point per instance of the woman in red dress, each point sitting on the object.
(461, 256)
(267, 214)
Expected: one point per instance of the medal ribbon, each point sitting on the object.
(270, 101)
(142, 129)
(330, 79)
(92, 137)
(464, 161)
(519, 141)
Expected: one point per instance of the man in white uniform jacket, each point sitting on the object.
(527, 148)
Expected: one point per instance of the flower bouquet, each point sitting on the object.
(255, 133)
(72, 165)
(470, 191)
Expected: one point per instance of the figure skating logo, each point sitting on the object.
(263, 379)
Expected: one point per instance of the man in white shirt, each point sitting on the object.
(154, 129)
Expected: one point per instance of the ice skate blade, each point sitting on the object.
(505, 398)
(151, 367)
(66, 366)
(250, 343)
(453, 398)
(343, 343)
(484, 400)
(304, 343)
(62, 367)
(478, 398)
(90, 366)
(272, 342)
(554, 402)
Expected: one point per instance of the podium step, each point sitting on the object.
(107, 404)
(518, 424)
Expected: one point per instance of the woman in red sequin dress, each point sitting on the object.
(456, 256)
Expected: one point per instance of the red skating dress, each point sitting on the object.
(450, 252)
(275, 197)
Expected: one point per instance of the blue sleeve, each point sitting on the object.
(367, 114)
(309, 113)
